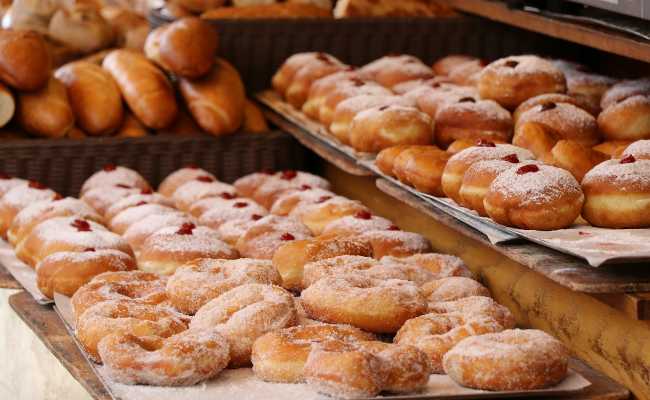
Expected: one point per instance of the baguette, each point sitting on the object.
(145, 88)
(7, 105)
(24, 59)
(216, 101)
(94, 97)
(46, 112)
(188, 47)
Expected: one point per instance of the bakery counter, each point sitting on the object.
(600, 329)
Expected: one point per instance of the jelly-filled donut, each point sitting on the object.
(479, 177)
(318, 215)
(180, 177)
(321, 65)
(356, 224)
(395, 243)
(344, 92)
(385, 159)
(103, 197)
(199, 188)
(138, 232)
(271, 189)
(145, 196)
(266, 235)
(640, 150)
(548, 98)
(20, 197)
(440, 265)
(422, 167)
(391, 70)
(291, 199)
(248, 184)
(198, 208)
(446, 64)
(112, 175)
(231, 210)
(123, 221)
(324, 86)
(629, 119)
(284, 75)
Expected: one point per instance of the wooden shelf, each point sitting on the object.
(592, 36)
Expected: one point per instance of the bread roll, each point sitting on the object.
(131, 127)
(188, 47)
(46, 112)
(183, 126)
(80, 28)
(254, 121)
(129, 28)
(32, 15)
(94, 97)
(174, 10)
(216, 101)
(24, 60)
(96, 58)
(144, 87)
(7, 105)
(76, 133)
(200, 5)
(277, 10)
(152, 44)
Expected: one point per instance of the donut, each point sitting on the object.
(629, 119)
(452, 288)
(354, 88)
(134, 286)
(266, 235)
(8, 182)
(467, 74)
(377, 128)
(318, 215)
(472, 119)
(385, 159)
(478, 178)
(270, 190)
(123, 220)
(194, 284)
(457, 165)
(323, 86)
(588, 88)
(378, 306)
(138, 232)
(440, 265)
(476, 305)
(459, 145)
(568, 66)
(245, 313)
(391, 70)
(436, 334)
(538, 197)
(514, 359)
(284, 75)
(550, 98)
(640, 150)
(346, 110)
(113, 175)
(421, 167)
(444, 65)
(410, 88)
(135, 200)
(102, 198)
(126, 318)
(395, 243)
(20, 197)
(200, 188)
(247, 184)
(290, 259)
(289, 200)
(430, 99)
(356, 224)
(231, 231)
(180, 177)
(67, 234)
(280, 356)
(198, 208)
(617, 193)
(171, 247)
(32, 215)
(623, 90)
(232, 209)
(613, 148)
(512, 80)
(322, 65)
(184, 359)
(574, 157)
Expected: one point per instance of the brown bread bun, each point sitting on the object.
(46, 112)
(188, 47)
(24, 60)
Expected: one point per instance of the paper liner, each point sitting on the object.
(23, 273)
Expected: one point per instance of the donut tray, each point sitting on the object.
(22, 273)
(242, 384)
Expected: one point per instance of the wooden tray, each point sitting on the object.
(6, 280)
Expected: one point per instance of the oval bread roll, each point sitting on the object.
(132, 127)
(254, 121)
(145, 88)
(46, 112)
(188, 47)
(94, 97)
(217, 100)
(80, 28)
(24, 59)
(7, 105)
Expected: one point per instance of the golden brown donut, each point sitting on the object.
(291, 199)
(316, 216)
(617, 193)
(478, 178)
(391, 70)
(323, 86)
(319, 66)
(629, 119)
(353, 225)
(111, 175)
(467, 74)
(512, 80)
(377, 128)
(574, 157)
(588, 88)
(421, 167)
(209, 203)
(431, 98)
(459, 145)
(612, 148)
(197, 189)
(268, 191)
(122, 221)
(623, 90)
(139, 232)
(230, 210)
(510, 360)
(266, 235)
(440, 265)
(476, 305)
(639, 149)
(531, 196)
(550, 98)
(356, 87)
(179, 177)
(19, 197)
(65, 272)
(452, 288)
(379, 306)
(101, 198)
(283, 77)
(385, 159)
(146, 196)
(396, 243)
(444, 65)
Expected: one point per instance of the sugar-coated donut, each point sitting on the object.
(198, 208)
(459, 145)
(478, 178)
(379, 306)
(512, 80)
(280, 356)
(320, 66)
(411, 88)
(639, 149)
(356, 224)
(230, 210)
(391, 70)
(452, 288)
(377, 128)
(199, 188)
(421, 167)
(468, 73)
(323, 86)
(231, 231)
(65, 272)
(103, 197)
(272, 188)
(247, 184)
(127, 318)
(139, 231)
(476, 306)
(430, 99)
(245, 313)
(343, 92)
(623, 90)
(196, 283)
(289, 200)
(510, 360)
(550, 98)
(574, 157)
(588, 88)
(612, 148)
(291, 258)
(385, 159)
(20, 197)
(452, 175)
(617, 193)
(444, 65)
(266, 235)
(532, 196)
(171, 247)
(318, 215)
(112, 175)
(135, 200)
(8, 182)
(123, 220)
(629, 119)
(396, 243)
(284, 75)
(184, 359)
(179, 177)
(440, 265)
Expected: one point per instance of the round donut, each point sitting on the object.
(467, 74)
(196, 283)
(180, 177)
(135, 200)
(379, 306)
(476, 306)
(588, 88)
(184, 359)
(321, 65)
(440, 265)
(356, 224)
(199, 188)
(459, 145)
(266, 235)
(385, 159)
(550, 98)
(231, 231)
(123, 220)
(197, 209)
(113, 175)
(538, 197)
(67, 234)
(19, 198)
(318, 215)
(478, 178)
(629, 119)
(432, 98)
(640, 150)
(444, 65)
(65, 272)
(8, 182)
(377, 128)
(126, 318)
(514, 359)
(391, 70)
(452, 175)
(230, 210)
(421, 167)
(270, 190)
(290, 259)
(169, 248)
(452, 288)
(395, 243)
(245, 313)
(612, 148)
(289, 200)
(574, 157)
(411, 88)
(103, 197)
(280, 356)
(284, 75)
(623, 90)
(512, 80)
(354, 88)
(247, 184)
(323, 86)
(617, 194)
(138, 232)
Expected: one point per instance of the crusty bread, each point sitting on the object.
(46, 112)
(24, 59)
(188, 47)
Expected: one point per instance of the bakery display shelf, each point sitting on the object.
(7, 281)
(593, 36)
(50, 329)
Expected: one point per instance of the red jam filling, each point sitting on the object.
(393, 228)
(109, 167)
(186, 229)
(256, 217)
(363, 215)
(512, 158)
(305, 187)
(511, 63)
(548, 106)
(628, 159)
(192, 166)
(485, 143)
(146, 191)
(287, 236)
(227, 196)
(81, 225)
(527, 169)
(89, 249)
(240, 204)
(37, 185)
(123, 186)
(288, 175)
(205, 178)
(323, 199)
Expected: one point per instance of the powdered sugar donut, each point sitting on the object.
(230, 210)
(271, 189)
(284, 75)
(629, 119)
(391, 70)
(588, 88)
(435, 96)
(197, 209)
(510, 360)
(323, 86)
(169, 248)
(356, 224)
(452, 288)
(103, 197)
(199, 188)
(640, 150)
(245, 313)
(112, 175)
(144, 197)
(248, 184)
(444, 65)
(316, 216)
(231, 231)
(379, 306)
(8, 182)
(289, 200)
(138, 232)
(196, 283)
(179, 177)
(478, 178)
(441, 265)
(312, 70)
(623, 90)
(355, 88)
(266, 235)
(19, 198)
(476, 306)
(550, 98)
(396, 243)
(122, 221)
